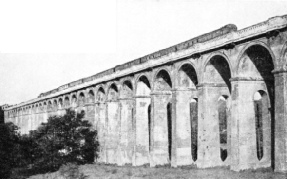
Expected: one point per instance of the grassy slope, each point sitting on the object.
(107, 171)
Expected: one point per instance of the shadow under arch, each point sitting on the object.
(143, 86)
(91, 96)
(256, 63)
(113, 92)
(217, 70)
(187, 76)
(101, 95)
(127, 90)
(162, 80)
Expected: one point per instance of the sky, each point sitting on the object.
(45, 44)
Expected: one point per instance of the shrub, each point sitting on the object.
(9, 138)
(63, 139)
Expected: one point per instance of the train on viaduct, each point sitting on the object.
(219, 99)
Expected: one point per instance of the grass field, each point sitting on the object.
(94, 171)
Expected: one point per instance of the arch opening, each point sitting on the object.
(256, 64)
(100, 120)
(217, 70)
(143, 87)
(193, 106)
(82, 99)
(217, 75)
(149, 126)
(169, 128)
(222, 117)
(162, 115)
(37, 108)
(74, 101)
(128, 84)
(45, 107)
(187, 109)
(91, 97)
(101, 95)
(187, 76)
(127, 90)
(50, 106)
(67, 102)
(162, 81)
(60, 103)
(143, 119)
(55, 105)
(113, 92)
(40, 107)
(261, 113)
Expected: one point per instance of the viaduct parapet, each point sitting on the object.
(219, 99)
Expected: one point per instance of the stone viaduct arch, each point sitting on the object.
(215, 100)
(162, 118)
(143, 122)
(90, 105)
(113, 123)
(186, 108)
(214, 110)
(255, 86)
(127, 112)
(101, 120)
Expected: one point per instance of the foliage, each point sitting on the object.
(63, 139)
(9, 138)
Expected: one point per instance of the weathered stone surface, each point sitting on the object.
(142, 132)
(215, 100)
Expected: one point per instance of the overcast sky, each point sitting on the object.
(45, 44)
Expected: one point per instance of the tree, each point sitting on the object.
(9, 138)
(64, 139)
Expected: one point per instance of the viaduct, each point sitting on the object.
(219, 99)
